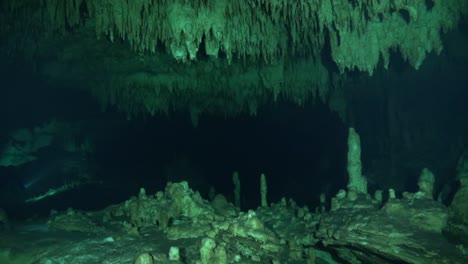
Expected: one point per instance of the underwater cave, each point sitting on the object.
(233, 132)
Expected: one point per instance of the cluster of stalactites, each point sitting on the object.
(240, 29)
(265, 30)
(212, 89)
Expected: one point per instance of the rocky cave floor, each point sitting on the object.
(178, 226)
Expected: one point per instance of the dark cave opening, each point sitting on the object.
(301, 150)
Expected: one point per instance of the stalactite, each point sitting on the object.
(251, 28)
(269, 33)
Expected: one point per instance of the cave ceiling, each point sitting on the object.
(152, 56)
